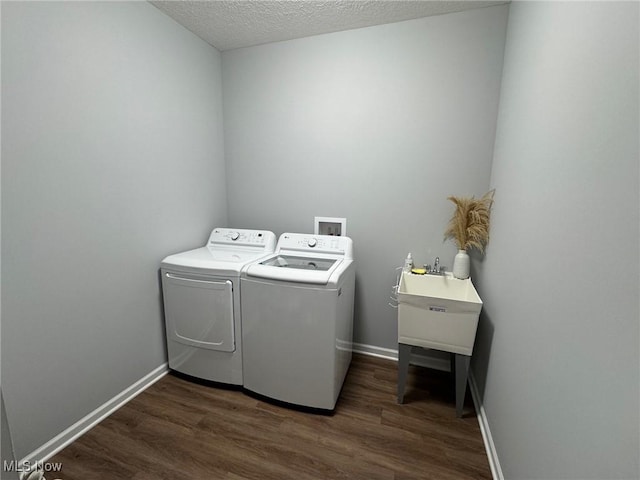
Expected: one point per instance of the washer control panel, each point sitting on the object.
(316, 243)
(242, 237)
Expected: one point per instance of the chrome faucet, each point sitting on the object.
(437, 269)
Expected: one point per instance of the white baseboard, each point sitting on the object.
(441, 362)
(53, 446)
(424, 358)
(492, 454)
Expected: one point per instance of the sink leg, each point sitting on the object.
(461, 373)
(404, 354)
(452, 363)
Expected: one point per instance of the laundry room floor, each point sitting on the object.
(178, 429)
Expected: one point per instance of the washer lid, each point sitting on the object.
(300, 263)
(298, 269)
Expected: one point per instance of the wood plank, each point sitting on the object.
(181, 429)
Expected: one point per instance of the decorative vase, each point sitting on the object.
(461, 265)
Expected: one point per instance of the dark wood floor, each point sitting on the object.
(178, 429)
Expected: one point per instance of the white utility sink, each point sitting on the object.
(438, 311)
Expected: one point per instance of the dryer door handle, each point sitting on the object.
(196, 280)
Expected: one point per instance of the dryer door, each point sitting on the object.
(199, 311)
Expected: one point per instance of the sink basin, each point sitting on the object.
(438, 312)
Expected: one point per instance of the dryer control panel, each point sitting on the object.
(241, 237)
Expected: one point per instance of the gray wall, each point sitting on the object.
(378, 125)
(560, 281)
(6, 444)
(112, 157)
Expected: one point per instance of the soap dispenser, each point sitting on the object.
(408, 264)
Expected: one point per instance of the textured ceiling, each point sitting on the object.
(228, 24)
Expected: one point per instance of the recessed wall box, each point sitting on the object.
(330, 226)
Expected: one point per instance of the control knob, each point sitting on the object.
(312, 242)
(235, 235)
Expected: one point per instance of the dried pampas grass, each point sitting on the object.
(469, 225)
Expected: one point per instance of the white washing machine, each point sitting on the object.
(297, 320)
(201, 290)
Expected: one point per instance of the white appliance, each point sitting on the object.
(297, 320)
(201, 290)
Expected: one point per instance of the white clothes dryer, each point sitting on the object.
(297, 315)
(201, 294)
